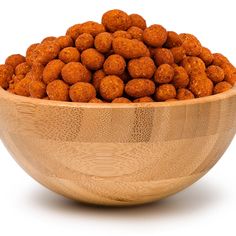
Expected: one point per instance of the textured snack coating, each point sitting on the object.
(58, 90)
(114, 65)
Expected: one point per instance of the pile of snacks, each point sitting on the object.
(119, 60)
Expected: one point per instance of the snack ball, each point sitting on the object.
(73, 31)
(143, 100)
(138, 21)
(74, 72)
(6, 73)
(181, 78)
(143, 67)
(82, 92)
(193, 65)
(121, 100)
(230, 73)
(115, 20)
(200, 85)
(137, 88)
(178, 54)
(163, 56)
(44, 53)
(136, 33)
(129, 48)
(206, 56)
(222, 87)
(91, 27)
(37, 89)
(114, 65)
(95, 100)
(122, 34)
(173, 40)
(36, 72)
(111, 87)
(50, 38)
(65, 41)
(30, 50)
(22, 87)
(103, 42)
(84, 41)
(155, 36)
(52, 71)
(58, 90)
(69, 54)
(15, 60)
(92, 59)
(219, 59)
(22, 69)
(97, 77)
(165, 92)
(191, 45)
(215, 73)
(184, 94)
(164, 74)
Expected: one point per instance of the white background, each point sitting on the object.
(206, 208)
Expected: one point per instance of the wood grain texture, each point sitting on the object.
(117, 154)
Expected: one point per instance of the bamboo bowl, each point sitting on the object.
(117, 154)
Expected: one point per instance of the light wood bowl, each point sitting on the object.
(117, 154)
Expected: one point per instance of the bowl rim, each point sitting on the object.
(212, 98)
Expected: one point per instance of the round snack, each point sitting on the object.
(143, 67)
(222, 87)
(143, 99)
(37, 89)
(15, 60)
(136, 33)
(230, 73)
(82, 92)
(193, 65)
(215, 73)
(96, 100)
(92, 59)
(129, 48)
(84, 41)
(30, 50)
(103, 42)
(44, 53)
(115, 20)
(16, 78)
(6, 73)
(138, 88)
(97, 77)
(22, 87)
(74, 72)
(69, 54)
(219, 59)
(173, 40)
(206, 56)
(121, 100)
(22, 69)
(191, 44)
(36, 72)
(122, 34)
(180, 79)
(50, 38)
(91, 27)
(165, 92)
(178, 54)
(155, 35)
(138, 21)
(111, 87)
(200, 86)
(114, 65)
(164, 74)
(58, 90)
(184, 94)
(52, 71)
(163, 56)
(65, 41)
(73, 31)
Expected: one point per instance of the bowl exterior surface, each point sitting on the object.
(121, 155)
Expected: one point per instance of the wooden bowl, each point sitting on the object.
(117, 154)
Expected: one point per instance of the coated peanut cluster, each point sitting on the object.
(119, 60)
